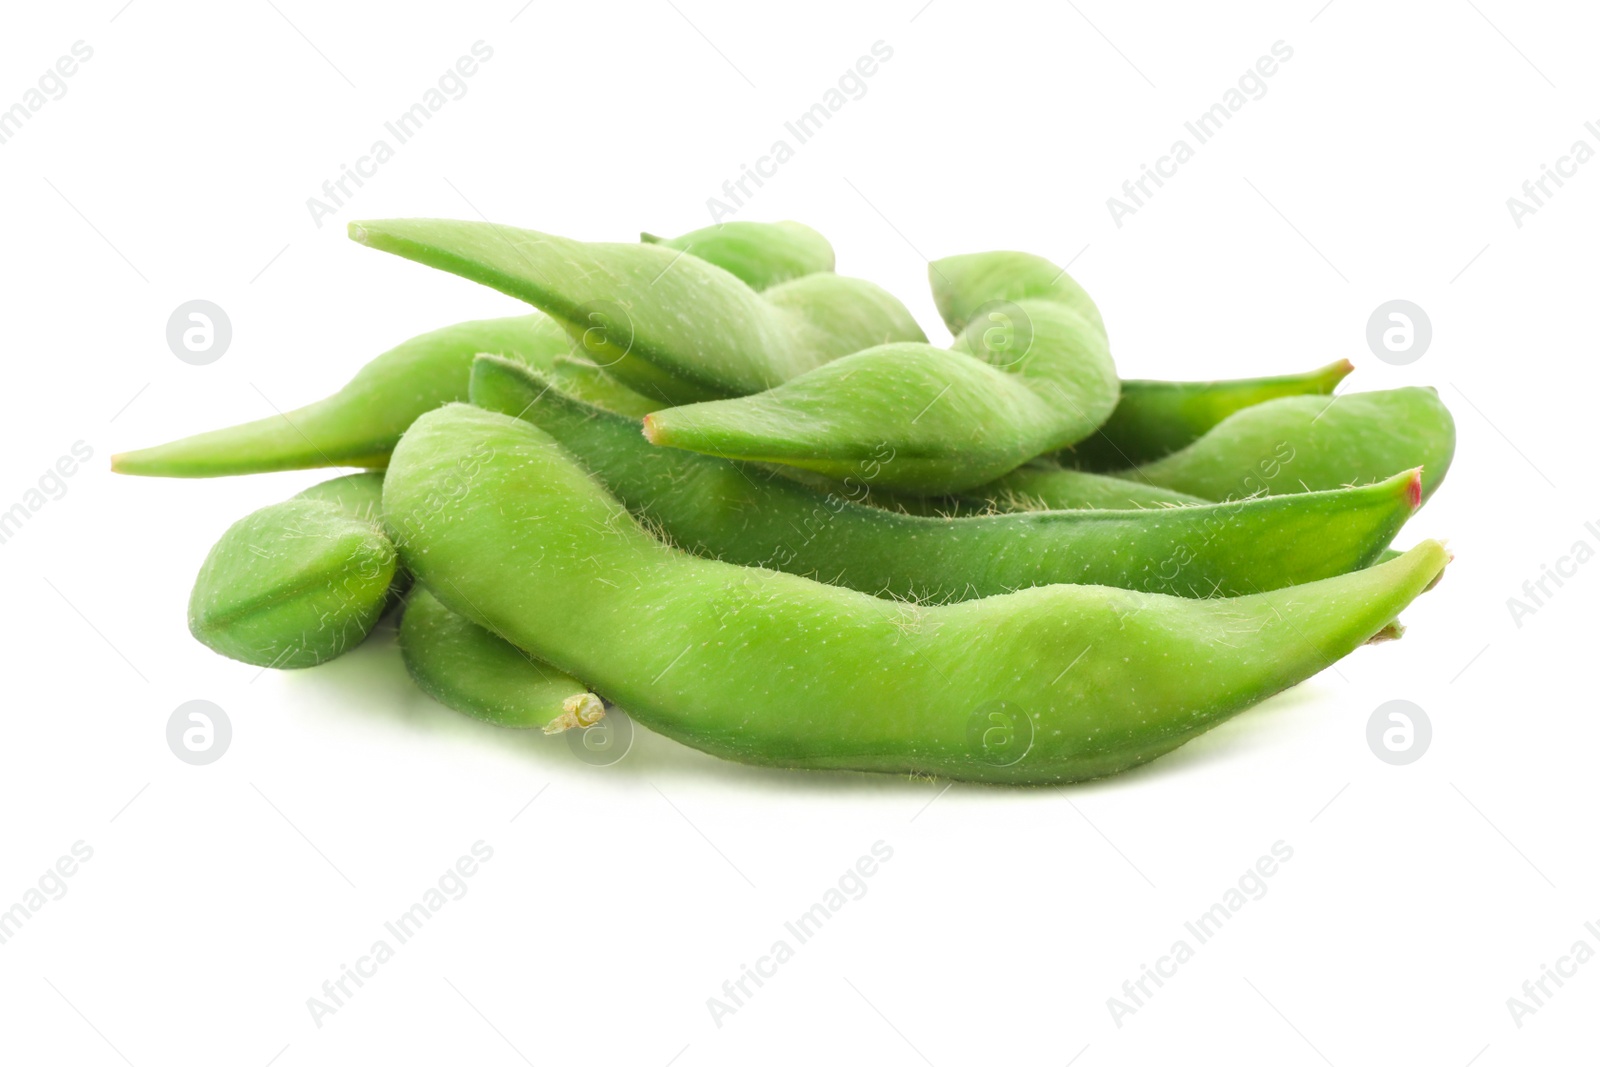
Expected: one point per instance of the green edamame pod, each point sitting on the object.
(1044, 486)
(667, 325)
(358, 495)
(586, 381)
(358, 425)
(964, 285)
(1155, 418)
(1304, 443)
(292, 585)
(1028, 376)
(769, 668)
(465, 667)
(749, 515)
(760, 254)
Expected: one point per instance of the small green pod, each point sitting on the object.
(359, 425)
(760, 254)
(1156, 418)
(1027, 377)
(1301, 444)
(467, 668)
(963, 285)
(667, 325)
(292, 585)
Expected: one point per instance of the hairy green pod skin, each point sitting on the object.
(359, 425)
(1044, 486)
(358, 495)
(1049, 684)
(962, 285)
(467, 668)
(292, 585)
(760, 254)
(1026, 377)
(1155, 418)
(748, 515)
(667, 325)
(586, 381)
(1306, 443)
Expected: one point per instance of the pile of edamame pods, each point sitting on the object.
(834, 544)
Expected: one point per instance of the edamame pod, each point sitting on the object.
(292, 585)
(1025, 377)
(749, 515)
(667, 325)
(965, 286)
(1049, 684)
(760, 254)
(465, 667)
(1305, 443)
(358, 425)
(358, 495)
(1045, 486)
(1155, 418)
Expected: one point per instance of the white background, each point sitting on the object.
(219, 898)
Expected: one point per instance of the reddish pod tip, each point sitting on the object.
(650, 431)
(1414, 489)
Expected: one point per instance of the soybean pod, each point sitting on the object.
(746, 514)
(769, 668)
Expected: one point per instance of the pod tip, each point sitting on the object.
(583, 709)
(1414, 488)
(357, 232)
(652, 432)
